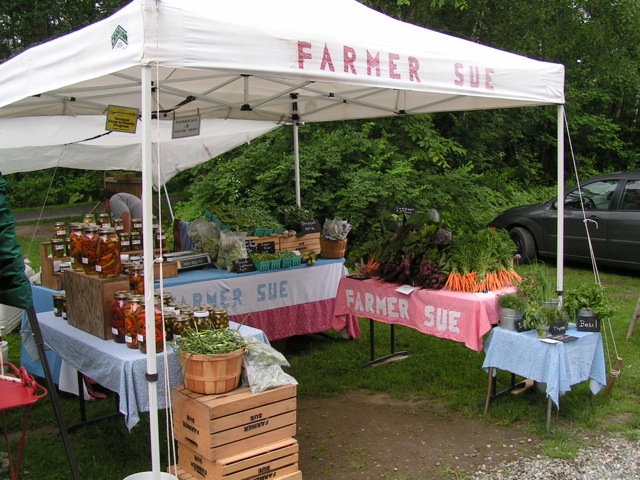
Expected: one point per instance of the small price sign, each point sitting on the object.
(520, 326)
(558, 328)
(587, 324)
(309, 226)
(251, 246)
(267, 247)
(399, 209)
(244, 265)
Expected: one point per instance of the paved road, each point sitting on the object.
(76, 211)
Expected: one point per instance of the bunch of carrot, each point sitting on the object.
(482, 262)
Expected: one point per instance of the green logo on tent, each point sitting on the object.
(118, 37)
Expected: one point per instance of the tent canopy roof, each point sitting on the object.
(281, 60)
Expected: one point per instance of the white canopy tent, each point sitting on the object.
(284, 61)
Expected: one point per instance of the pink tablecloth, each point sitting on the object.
(302, 319)
(462, 317)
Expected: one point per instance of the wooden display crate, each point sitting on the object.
(169, 270)
(182, 475)
(124, 183)
(310, 241)
(49, 277)
(275, 460)
(218, 426)
(89, 301)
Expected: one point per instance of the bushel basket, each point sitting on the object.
(212, 374)
(333, 248)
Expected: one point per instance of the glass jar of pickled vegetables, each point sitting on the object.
(125, 241)
(133, 312)
(181, 323)
(57, 247)
(200, 320)
(90, 240)
(158, 334)
(104, 220)
(220, 318)
(120, 299)
(89, 219)
(75, 246)
(59, 230)
(136, 225)
(118, 225)
(59, 304)
(136, 241)
(136, 279)
(108, 262)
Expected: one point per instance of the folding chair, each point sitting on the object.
(19, 389)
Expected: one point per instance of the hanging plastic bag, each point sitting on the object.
(263, 368)
(232, 247)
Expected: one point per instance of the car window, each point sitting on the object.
(595, 196)
(631, 196)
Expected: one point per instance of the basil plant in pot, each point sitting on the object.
(588, 301)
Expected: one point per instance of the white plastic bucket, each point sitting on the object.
(150, 476)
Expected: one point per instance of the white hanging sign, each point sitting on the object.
(186, 127)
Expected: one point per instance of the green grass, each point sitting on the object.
(445, 372)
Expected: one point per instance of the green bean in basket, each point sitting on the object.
(210, 342)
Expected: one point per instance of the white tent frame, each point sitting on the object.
(257, 60)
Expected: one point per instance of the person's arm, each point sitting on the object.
(126, 221)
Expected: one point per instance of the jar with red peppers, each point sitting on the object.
(75, 246)
(121, 298)
(108, 261)
(90, 241)
(136, 279)
(158, 333)
(133, 312)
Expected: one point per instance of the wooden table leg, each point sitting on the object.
(549, 410)
(634, 320)
(489, 390)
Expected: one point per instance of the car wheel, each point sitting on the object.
(525, 244)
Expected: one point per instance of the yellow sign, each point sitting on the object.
(122, 119)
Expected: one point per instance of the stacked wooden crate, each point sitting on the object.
(237, 435)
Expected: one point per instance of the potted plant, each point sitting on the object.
(333, 241)
(538, 285)
(539, 317)
(211, 359)
(511, 310)
(589, 302)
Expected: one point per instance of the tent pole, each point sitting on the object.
(297, 161)
(560, 203)
(147, 247)
(296, 147)
(37, 334)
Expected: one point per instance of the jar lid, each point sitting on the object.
(137, 266)
(137, 298)
(90, 228)
(104, 230)
(122, 294)
(57, 240)
(201, 313)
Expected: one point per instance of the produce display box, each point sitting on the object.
(49, 277)
(182, 475)
(169, 270)
(89, 301)
(219, 426)
(129, 184)
(302, 243)
(275, 460)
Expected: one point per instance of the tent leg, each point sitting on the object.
(37, 333)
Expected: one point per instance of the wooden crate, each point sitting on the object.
(182, 475)
(89, 301)
(275, 460)
(49, 277)
(169, 270)
(218, 426)
(310, 241)
(130, 184)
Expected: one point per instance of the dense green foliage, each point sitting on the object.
(468, 165)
